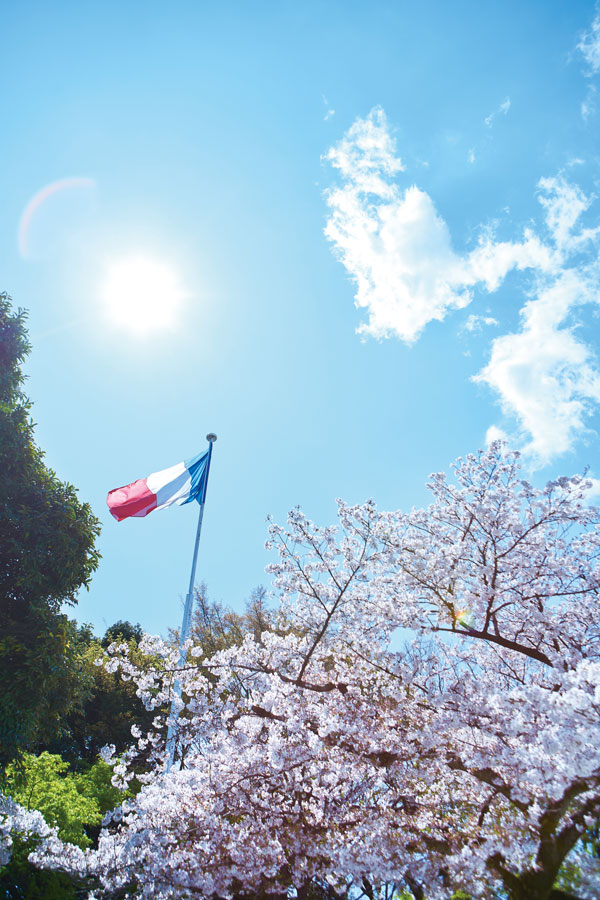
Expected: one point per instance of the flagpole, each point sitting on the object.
(187, 618)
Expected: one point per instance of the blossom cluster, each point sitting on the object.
(425, 711)
(16, 820)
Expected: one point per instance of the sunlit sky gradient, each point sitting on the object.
(274, 161)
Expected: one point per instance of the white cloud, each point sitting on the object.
(400, 255)
(471, 155)
(496, 434)
(392, 242)
(491, 261)
(366, 156)
(564, 203)
(397, 247)
(502, 110)
(543, 374)
(398, 250)
(589, 45)
(476, 323)
(592, 494)
(588, 104)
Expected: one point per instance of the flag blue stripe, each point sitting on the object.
(198, 469)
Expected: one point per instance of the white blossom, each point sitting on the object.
(323, 752)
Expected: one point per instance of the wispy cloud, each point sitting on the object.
(564, 203)
(366, 155)
(330, 111)
(502, 110)
(589, 45)
(475, 324)
(478, 148)
(588, 104)
(398, 250)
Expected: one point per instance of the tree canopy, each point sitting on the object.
(47, 554)
(323, 754)
(105, 706)
(73, 803)
(317, 752)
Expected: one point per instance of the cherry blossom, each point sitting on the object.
(16, 820)
(425, 713)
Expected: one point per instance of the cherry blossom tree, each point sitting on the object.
(14, 820)
(424, 715)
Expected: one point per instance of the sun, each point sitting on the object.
(142, 295)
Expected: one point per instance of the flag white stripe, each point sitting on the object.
(171, 485)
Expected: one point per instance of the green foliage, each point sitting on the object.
(73, 802)
(216, 627)
(41, 782)
(46, 555)
(19, 880)
(96, 784)
(122, 631)
(591, 839)
(106, 706)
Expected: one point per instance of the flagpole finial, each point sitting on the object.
(211, 437)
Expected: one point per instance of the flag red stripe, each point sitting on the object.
(132, 500)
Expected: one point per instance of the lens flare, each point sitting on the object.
(39, 199)
(464, 617)
(142, 295)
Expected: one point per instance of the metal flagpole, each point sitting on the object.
(187, 619)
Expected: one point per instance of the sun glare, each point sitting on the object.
(142, 295)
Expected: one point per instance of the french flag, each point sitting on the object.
(182, 483)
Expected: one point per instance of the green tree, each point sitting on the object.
(19, 880)
(46, 555)
(122, 631)
(73, 802)
(216, 626)
(107, 706)
(43, 783)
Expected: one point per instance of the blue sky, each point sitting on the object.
(277, 162)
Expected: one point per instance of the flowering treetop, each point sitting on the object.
(321, 753)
